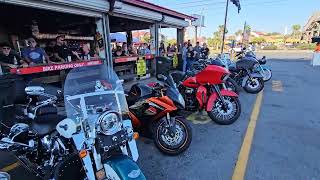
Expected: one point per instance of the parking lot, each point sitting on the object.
(284, 120)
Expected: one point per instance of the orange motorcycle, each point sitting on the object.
(153, 111)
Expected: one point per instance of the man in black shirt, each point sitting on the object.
(8, 59)
(61, 50)
(205, 51)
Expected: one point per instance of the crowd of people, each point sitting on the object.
(131, 49)
(191, 53)
(55, 52)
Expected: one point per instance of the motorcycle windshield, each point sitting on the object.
(93, 90)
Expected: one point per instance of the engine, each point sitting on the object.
(189, 96)
(34, 151)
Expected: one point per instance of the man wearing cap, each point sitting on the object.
(8, 59)
(61, 50)
(33, 54)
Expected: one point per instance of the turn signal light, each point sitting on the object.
(135, 135)
(100, 174)
(83, 153)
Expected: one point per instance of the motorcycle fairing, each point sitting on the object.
(190, 82)
(213, 97)
(201, 96)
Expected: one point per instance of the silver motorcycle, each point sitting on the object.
(98, 125)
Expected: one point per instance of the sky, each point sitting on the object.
(261, 15)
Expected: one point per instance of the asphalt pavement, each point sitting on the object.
(285, 145)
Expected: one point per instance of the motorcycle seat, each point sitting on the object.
(138, 92)
(233, 69)
(45, 124)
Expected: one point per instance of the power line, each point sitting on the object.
(191, 2)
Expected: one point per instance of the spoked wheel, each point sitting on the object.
(254, 85)
(175, 140)
(226, 113)
(267, 74)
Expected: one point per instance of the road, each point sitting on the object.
(284, 145)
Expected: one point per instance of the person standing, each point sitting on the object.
(34, 55)
(8, 59)
(61, 50)
(169, 48)
(317, 49)
(162, 49)
(197, 49)
(205, 51)
(190, 56)
(184, 56)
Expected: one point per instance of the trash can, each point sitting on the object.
(163, 65)
(316, 59)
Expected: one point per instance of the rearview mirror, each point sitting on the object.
(34, 90)
(4, 176)
(161, 77)
(120, 81)
(264, 57)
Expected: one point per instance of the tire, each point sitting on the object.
(232, 84)
(216, 111)
(268, 74)
(182, 145)
(255, 90)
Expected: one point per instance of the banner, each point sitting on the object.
(141, 67)
(175, 60)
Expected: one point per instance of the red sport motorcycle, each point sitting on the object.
(206, 90)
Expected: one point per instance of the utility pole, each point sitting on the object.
(196, 34)
(224, 28)
(244, 31)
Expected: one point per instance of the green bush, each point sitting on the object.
(272, 47)
(306, 46)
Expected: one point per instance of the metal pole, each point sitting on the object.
(196, 34)
(224, 28)
(244, 31)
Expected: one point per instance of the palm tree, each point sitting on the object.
(296, 30)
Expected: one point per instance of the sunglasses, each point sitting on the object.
(6, 48)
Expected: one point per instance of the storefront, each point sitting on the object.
(133, 15)
(85, 24)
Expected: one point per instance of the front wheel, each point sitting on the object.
(227, 113)
(172, 143)
(254, 85)
(267, 74)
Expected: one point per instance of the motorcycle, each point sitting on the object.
(32, 136)
(261, 68)
(98, 126)
(153, 111)
(210, 94)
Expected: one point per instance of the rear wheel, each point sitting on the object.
(225, 114)
(232, 85)
(172, 143)
(254, 85)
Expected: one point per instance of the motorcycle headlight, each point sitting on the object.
(109, 123)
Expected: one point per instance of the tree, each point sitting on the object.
(258, 40)
(217, 37)
(170, 41)
(296, 31)
(238, 33)
(146, 38)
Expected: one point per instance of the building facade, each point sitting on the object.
(312, 28)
